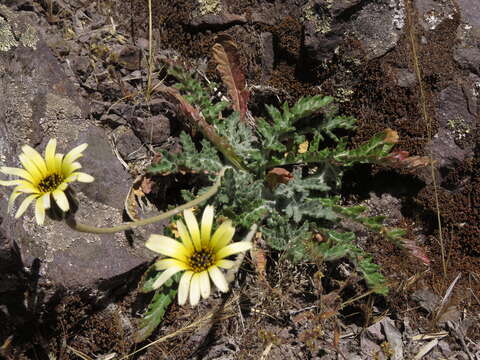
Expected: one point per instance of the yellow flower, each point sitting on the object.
(43, 177)
(200, 255)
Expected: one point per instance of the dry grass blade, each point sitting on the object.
(424, 350)
(227, 311)
(428, 123)
(443, 304)
(79, 353)
(438, 335)
(225, 53)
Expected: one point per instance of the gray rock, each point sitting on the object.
(456, 114)
(426, 299)
(378, 25)
(128, 145)
(405, 78)
(268, 56)
(394, 337)
(39, 102)
(374, 332)
(432, 12)
(467, 49)
(152, 129)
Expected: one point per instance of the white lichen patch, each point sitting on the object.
(322, 23)
(29, 37)
(209, 6)
(7, 38)
(459, 127)
(398, 7)
(476, 89)
(344, 95)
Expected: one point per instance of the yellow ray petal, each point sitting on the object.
(24, 205)
(46, 200)
(10, 182)
(50, 154)
(12, 199)
(167, 246)
(164, 264)
(69, 168)
(85, 178)
(218, 278)
(185, 236)
(39, 211)
(58, 164)
(167, 274)
(61, 200)
(204, 284)
(74, 154)
(233, 249)
(17, 172)
(206, 225)
(225, 264)
(62, 187)
(30, 166)
(195, 289)
(37, 159)
(27, 188)
(222, 236)
(184, 287)
(192, 226)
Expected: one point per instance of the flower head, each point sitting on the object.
(44, 177)
(200, 255)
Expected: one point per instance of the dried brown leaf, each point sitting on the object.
(147, 185)
(225, 53)
(401, 159)
(278, 176)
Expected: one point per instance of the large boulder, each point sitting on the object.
(40, 102)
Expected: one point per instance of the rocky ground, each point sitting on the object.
(77, 71)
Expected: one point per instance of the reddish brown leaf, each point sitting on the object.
(416, 251)
(401, 159)
(193, 115)
(278, 176)
(225, 53)
(391, 136)
(147, 185)
(260, 261)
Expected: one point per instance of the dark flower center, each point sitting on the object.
(50, 183)
(201, 260)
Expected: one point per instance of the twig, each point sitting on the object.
(423, 102)
(150, 51)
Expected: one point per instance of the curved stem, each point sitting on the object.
(70, 220)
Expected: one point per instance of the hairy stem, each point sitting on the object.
(70, 220)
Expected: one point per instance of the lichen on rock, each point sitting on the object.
(7, 39)
(209, 6)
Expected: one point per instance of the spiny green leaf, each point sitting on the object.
(163, 297)
(282, 236)
(342, 244)
(206, 159)
(242, 139)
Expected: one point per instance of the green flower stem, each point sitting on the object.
(70, 220)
